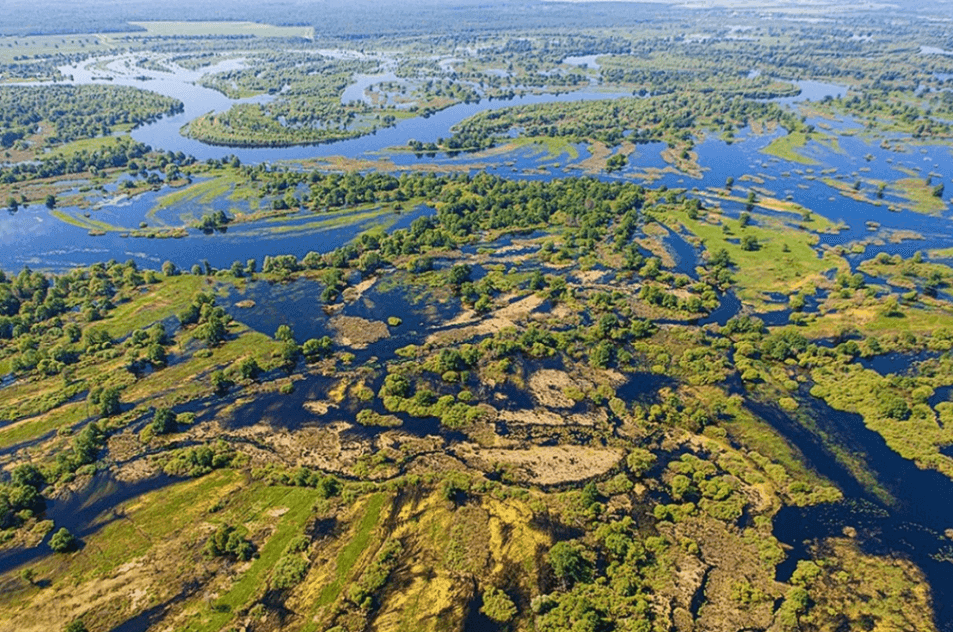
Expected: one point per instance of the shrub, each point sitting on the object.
(63, 541)
(497, 605)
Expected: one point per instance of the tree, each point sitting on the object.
(497, 605)
(28, 575)
(284, 334)
(76, 626)
(156, 354)
(249, 369)
(63, 541)
(50, 201)
(315, 348)
(569, 563)
(228, 541)
(459, 274)
(752, 198)
(29, 475)
(109, 402)
(212, 332)
(163, 421)
(750, 243)
(289, 354)
(219, 382)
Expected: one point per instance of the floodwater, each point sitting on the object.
(40, 240)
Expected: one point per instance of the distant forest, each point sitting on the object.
(358, 18)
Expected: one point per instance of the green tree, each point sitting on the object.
(248, 368)
(569, 562)
(28, 575)
(220, 383)
(109, 402)
(497, 605)
(163, 421)
(63, 541)
(284, 334)
(315, 348)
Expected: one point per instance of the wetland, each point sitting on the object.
(479, 330)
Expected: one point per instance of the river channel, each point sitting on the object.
(34, 237)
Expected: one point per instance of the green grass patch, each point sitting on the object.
(554, 147)
(87, 144)
(86, 222)
(786, 148)
(919, 196)
(30, 429)
(785, 261)
(200, 192)
(299, 501)
(163, 300)
(349, 555)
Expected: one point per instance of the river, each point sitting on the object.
(34, 237)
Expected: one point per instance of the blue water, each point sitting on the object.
(36, 239)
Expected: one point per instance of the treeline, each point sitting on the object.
(669, 118)
(122, 154)
(73, 112)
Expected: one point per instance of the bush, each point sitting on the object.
(569, 562)
(288, 572)
(227, 541)
(164, 421)
(63, 541)
(497, 605)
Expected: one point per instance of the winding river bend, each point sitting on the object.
(34, 237)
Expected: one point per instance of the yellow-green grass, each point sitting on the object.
(786, 148)
(163, 300)
(868, 318)
(149, 523)
(759, 436)
(552, 146)
(905, 273)
(28, 46)
(328, 223)
(847, 190)
(815, 222)
(201, 192)
(185, 381)
(349, 555)
(87, 144)
(33, 428)
(39, 405)
(852, 388)
(87, 223)
(253, 582)
(919, 196)
(179, 29)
